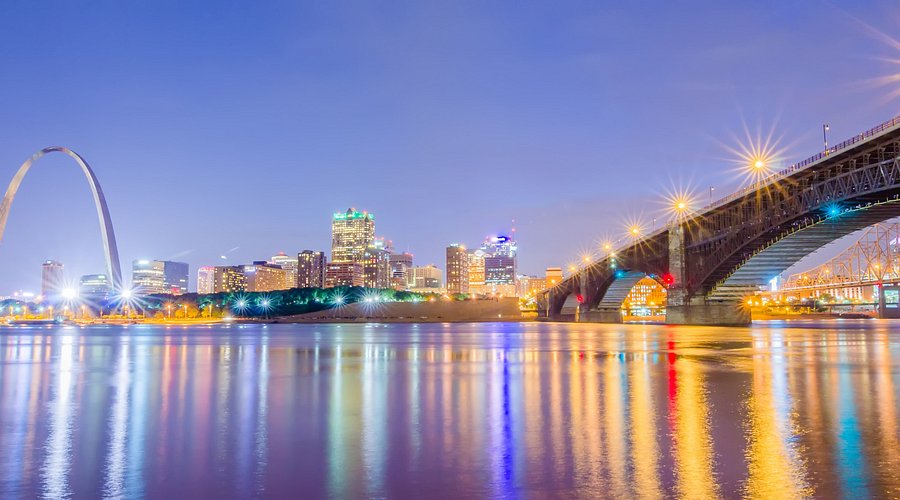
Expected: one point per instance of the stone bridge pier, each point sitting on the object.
(683, 308)
(588, 310)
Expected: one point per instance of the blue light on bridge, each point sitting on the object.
(833, 210)
(620, 274)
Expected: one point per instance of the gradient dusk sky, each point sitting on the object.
(238, 127)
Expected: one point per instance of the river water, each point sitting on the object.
(784, 409)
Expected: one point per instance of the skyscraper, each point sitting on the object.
(288, 263)
(400, 265)
(52, 278)
(176, 277)
(500, 275)
(377, 266)
(159, 276)
(206, 280)
(148, 276)
(457, 269)
(476, 272)
(500, 245)
(500, 266)
(311, 269)
(351, 233)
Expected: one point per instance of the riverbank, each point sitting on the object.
(442, 311)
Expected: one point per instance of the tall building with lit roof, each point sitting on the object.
(352, 232)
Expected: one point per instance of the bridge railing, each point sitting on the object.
(893, 122)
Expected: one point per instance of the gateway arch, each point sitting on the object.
(113, 268)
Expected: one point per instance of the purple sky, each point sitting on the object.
(215, 126)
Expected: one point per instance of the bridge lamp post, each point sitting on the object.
(825, 129)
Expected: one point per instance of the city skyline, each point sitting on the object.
(346, 249)
(588, 130)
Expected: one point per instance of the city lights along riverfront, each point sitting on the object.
(449, 249)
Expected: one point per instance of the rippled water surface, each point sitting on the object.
(451, 410)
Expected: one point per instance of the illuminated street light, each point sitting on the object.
(69, 293)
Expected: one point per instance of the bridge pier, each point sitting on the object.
(708, 314)
(681, 308)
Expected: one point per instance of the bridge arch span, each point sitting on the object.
(602, 286)
(111, 252)
(780, 254)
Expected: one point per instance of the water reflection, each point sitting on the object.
(460, 410)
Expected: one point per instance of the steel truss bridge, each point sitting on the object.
(710, 259)
(873, 259)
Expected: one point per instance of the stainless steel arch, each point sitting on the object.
(113, 268)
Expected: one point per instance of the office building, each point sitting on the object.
(500, 275)
(457, 261)
(176, 277)
(52, 279)
(500, 266)
(289, 264)
(344, 274)
(206, 280)
(94, 286)
(311, 269)
(476, 271)
(553, 276)
(352, 232)
(400, 264)
(500, 246)
(528, 286)
(426, 279)
(377, 266)
(159, 276)
(229, 279)
(148, 276)
(264, 277)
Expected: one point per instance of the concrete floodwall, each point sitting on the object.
(505, 309)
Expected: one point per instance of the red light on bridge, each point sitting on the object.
(580, 298)
(668, 279)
